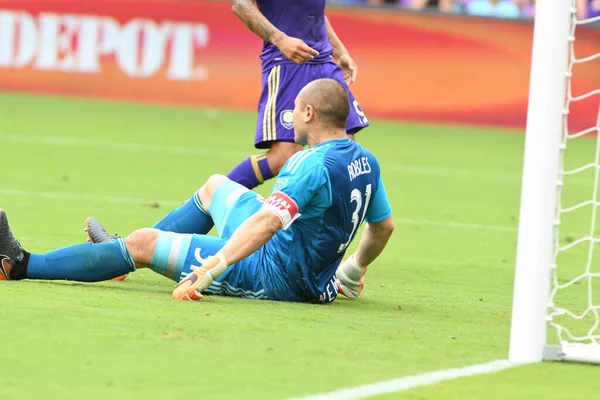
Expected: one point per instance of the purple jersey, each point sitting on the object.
(302, 19)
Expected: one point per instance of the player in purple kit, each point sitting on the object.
(300, 46)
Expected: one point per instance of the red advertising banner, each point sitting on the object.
(414, 66)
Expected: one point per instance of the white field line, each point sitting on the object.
(413, 169)
(416, 169)
(88, 197)
(175, 203)
(181, 150)
(410, 382)
(463, 173)
(451, 224)
(120, 146)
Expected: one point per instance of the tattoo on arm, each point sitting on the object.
(329, 31)
(247, 11)
(334, 40)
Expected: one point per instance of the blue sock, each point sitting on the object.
(189, 218)
(84, 262)
(170, 254)
(175, 251)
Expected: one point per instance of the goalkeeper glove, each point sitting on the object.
(350, 277)
(192, 286)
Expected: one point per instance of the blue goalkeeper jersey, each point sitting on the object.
(322, 195)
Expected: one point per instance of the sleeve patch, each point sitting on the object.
(283, 206)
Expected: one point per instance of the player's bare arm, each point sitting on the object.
(341, 55)
(248, 238)
(249, 14)
(251, 236)
(349, 275)
(292, 48)
(338, 47)
(373, 240)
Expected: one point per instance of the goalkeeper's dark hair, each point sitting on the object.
(330, 99)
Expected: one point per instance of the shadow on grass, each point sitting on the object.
(105, 285)
(341, 304)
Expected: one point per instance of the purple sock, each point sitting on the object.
(252, 171)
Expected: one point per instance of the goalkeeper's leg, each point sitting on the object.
(191, 217)
(209, 206)
(178, 255)
(92, 262)
(87, 262)
(169, 254)
(228, 203)
(214, 201)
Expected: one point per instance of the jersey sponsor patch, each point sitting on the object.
(283, 206)
(281, 182)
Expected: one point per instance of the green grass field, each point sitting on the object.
(439, 297)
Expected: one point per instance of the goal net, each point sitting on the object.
(556, 301)
(574, 305)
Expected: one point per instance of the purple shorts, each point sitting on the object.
(281, 85)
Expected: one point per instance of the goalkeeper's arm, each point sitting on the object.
(372, 242)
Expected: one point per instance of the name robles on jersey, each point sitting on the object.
(283, 206)
(359, 167)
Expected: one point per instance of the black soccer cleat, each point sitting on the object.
(97, 233)
(11, 251)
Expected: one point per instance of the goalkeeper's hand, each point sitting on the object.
(192, 286)
(350, 278)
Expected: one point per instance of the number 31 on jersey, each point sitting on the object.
(360, 209)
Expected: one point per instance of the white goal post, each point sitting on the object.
(538, 246)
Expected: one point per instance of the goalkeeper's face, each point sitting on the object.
(301, 117)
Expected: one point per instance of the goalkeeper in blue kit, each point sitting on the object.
(288, 247)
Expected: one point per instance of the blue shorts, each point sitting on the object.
(280, 86)
(230, 206)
